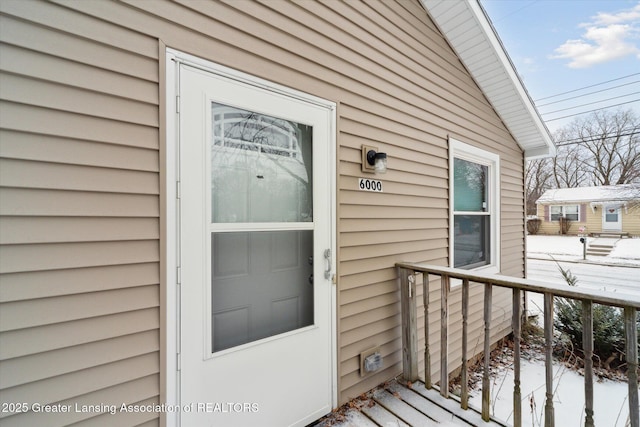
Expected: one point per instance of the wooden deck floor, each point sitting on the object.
(395, 405)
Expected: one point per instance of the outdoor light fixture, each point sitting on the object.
(373, 161)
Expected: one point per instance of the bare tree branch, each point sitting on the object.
(609, 144)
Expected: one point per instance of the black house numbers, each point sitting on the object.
(366, 184)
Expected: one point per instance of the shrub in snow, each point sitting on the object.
(533, 225)
(608, 323)
(565, 224)
(608, 326)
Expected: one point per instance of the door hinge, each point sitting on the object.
(178, 362)
(178, 275)
(178, 195)
(178, 104)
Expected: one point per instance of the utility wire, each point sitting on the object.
(591, 111)
(590, 103)
(589, 93)
(517, 10)
(586, 87)
(623, 132)
(563, 143)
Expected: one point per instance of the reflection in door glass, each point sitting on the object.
(261, 172)
(262, 285)
(261, 168)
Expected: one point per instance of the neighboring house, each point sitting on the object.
(604, 209)
(189, 218)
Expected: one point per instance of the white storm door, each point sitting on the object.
(255, 259)
(611, 218)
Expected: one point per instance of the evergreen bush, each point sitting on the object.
(608, 325)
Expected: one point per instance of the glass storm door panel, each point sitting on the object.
(261, 172)
(255, 222)
(262, 285)
(261, 168)
(611, 218)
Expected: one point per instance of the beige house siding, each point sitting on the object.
(592, 220)
(631, 220)
(587, 219)
(80, 192)
(79, 228)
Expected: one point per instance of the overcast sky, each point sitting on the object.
(562, 45)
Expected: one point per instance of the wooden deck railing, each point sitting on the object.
(407, 278)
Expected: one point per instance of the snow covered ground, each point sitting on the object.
(569, 248)
(617, 272)
(610, 397)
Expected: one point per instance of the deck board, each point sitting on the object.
(424, 405)
(382, 417)
(355, 418)
(397, 405)
(403, 410)
(470, 416)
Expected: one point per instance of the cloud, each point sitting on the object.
(630, 15)
(608, 37)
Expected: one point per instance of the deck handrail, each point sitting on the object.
(407, 280)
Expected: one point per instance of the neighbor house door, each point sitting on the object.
(611, 218)
(255, 253)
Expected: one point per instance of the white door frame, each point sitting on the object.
(171, 166)
(617, 224)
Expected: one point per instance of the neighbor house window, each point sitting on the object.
(474, 206)
(570, 212)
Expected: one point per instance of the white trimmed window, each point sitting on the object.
(570, 212)
(474, 192)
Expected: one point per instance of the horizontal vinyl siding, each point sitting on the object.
(631, 220)
(397, 84)
(79, 217)
(500, 323)
(593, 220)
(409, 220)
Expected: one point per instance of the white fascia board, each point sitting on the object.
(494, 84)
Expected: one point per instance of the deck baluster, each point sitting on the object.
(427, 352)
(631, 334)
(464, 382)
(549, 418)
(587, 344)
(407, 281)
(409, 324)
(488, 291)
(517, 332)
(444, 335)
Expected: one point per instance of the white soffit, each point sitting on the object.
(470, 33)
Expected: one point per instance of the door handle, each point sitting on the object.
(327, 256)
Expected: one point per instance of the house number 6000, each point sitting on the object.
(370, 185)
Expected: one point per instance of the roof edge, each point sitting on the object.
(490, 39)
(511, 70)
(599, 193)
